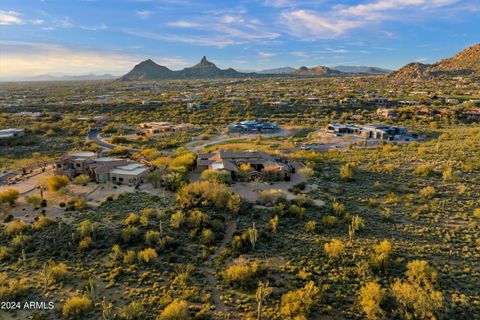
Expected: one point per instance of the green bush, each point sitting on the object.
(77, 307)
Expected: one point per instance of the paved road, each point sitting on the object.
(95, 135)
(225, 138)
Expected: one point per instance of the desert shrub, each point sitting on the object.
(20, 241)
(85, 243)
(4, 253)
(80, 204)
(271, 197)
(132, 311)
(274, 223)
(208, 193)
(476, 213)
(217, 176)
(152, 238)
(423, 170)
(177, 219)
(417, 297)
(298, 304)
(58, 272)
(296, 211)
(87, 228)
(306, 171)
(56, 182)
(15, 227)
(41, 222)
(347, 172)
(197, 219)
(183, 162)
(427, 192)
(132, 219)
(177, 310)
(11, 289)
(382, 254)
(147, 255)
(311, 226)
(371, 297)
(389, 167)
(77, 307)
(130, 257)
(449, 174)
(329, 221)
(421, 273)
(116, 253)
(82, 180)
(334, 248)
(416, 302)
(9, 196)
(130, 234)
(147, 214)
(338, 209)
(208, 237)
(242, 275)
(34, 200)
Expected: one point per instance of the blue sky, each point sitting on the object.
(83, 36)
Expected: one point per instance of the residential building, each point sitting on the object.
(372, 131)
(12, 133)
(101, 169)
(153, 128)
(232, 161)
(253, 127)
(386, 113)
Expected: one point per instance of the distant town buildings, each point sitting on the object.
(101, 169)
(253, 127)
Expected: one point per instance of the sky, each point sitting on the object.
(110, 36)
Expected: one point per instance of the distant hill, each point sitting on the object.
(315, 71)
(149, 70)
(49, 77)
(464, 63)
(277, 70)
(361, 69)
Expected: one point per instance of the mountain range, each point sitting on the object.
(149, 70)
(90, 76)
(361, 69)
(464, 63)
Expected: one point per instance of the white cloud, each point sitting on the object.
(10, 17)
(219, 31)
(266, 54)
(183, 24)
(29, 59)
(300, 54)
(37, 21)
(312, 26)
(278, 3)
(143, 14)
(340, 19)
(94, 28)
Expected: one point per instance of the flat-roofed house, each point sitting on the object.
(232, 161)
(100, 169)
(253, 127)
(132, 173)
(153, 128)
